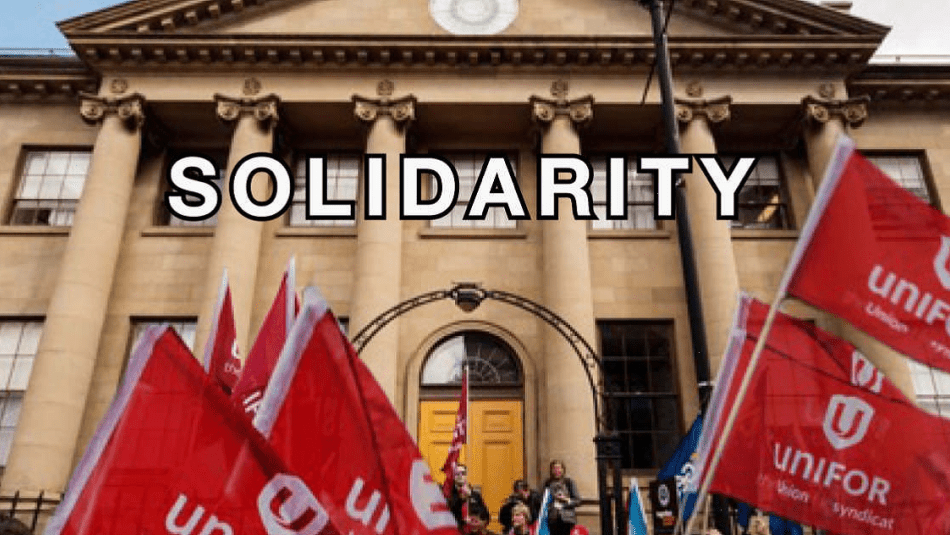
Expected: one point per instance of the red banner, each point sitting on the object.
(260, 363)
(824, 439)
(222, 359)
(879, 257)
(459, 436)
(334, 426)
(173, 455)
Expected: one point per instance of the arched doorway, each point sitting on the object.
(495, 450)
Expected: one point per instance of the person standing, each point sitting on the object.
(562, 512)
(523, 494)
(463, 498)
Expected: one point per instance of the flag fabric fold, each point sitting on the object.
(262, 359)
(541, 526)
(822, 438)
(637, 517)
(331, 422)
(166, 452)
(459, 437)
(221, 356)
(681, 467)
(876, 255)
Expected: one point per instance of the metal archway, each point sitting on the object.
(468, 296)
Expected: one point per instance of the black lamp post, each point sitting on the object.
(468, 296)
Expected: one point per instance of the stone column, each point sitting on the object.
(48, 429)
(825, 120)
(570, 420)
(379, 242)
(237, 239)
(712, 238)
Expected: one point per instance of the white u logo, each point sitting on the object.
(846, 421)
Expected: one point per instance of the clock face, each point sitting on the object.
(474, 17)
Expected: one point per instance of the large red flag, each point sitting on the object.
(879, 257)
(262, 359)
(822, 438)
(173, 455)
(332, 423)
(222, 359)
(459, 437)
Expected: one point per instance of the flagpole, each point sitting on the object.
(290, 300)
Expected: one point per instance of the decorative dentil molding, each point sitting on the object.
(715, 110)
(852, 112)
(579, 111)
(263, 109)
(130, 109)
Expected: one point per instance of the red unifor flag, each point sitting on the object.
(823, 438)
(262, 359)
(174, 456)
(331, 422)
(222, 359)
(459, 437)
(879, 257)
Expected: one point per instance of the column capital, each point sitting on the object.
(580, 110)
(130, 109)
(402, 110)
(852, 112)
(715, 110)
(263, 109)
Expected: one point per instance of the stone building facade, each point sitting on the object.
(89, 253)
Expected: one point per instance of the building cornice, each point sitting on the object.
(903, 84)
(840, 54)
(45, 76)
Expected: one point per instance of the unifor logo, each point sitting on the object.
(940, 262)
(864, 374)
(846, 421)
(287, 507)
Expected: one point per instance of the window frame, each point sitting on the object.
(16, 197)
(627, 436)
(920, 155)
(299, 166)
(7, 393)
(785, 198)
(632, 175)
(461, 204)
(163, 217)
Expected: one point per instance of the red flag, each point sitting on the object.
(459, 437)
(876, 255)
(221, 351)
(824, 439)
(162, 459)
(332, 423)
(262, 359)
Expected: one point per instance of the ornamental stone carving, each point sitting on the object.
(544, 110)
(852, 112)
(130, 109)
(714, 111)
(263, 109)
(402, 110)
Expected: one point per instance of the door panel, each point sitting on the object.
(495, 450)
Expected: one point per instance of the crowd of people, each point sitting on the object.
(520, 512)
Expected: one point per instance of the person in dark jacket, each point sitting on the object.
(476, 520)
(562, 512)
(523, 494)
(463, 497)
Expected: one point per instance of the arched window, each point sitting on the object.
(490, 361)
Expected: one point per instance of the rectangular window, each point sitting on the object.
(19, 341)
(762, 202)
(639, 375)
(906, 170)
(932, 388)
(468, 166)
(184, 327)
(640, 197)
(219, 158)
(50, 186)
(342, 180)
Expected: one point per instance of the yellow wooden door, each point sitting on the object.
(495, 451)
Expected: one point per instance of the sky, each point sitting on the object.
(31, 23)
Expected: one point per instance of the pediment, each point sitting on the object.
(735, 19)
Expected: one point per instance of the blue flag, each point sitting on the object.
(637, 519)
(780, 526)
(680, 466)
(542, 525)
